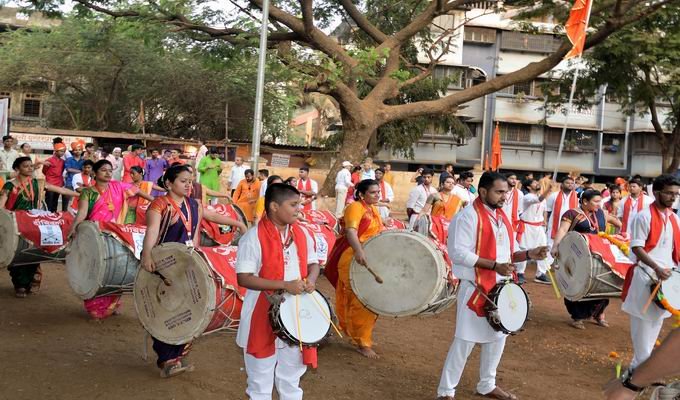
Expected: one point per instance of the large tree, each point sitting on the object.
(378, 62)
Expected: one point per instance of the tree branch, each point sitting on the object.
(362, 22)
(307, 15)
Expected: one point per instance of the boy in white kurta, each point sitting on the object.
(283, 364)
(531, 229)
(631, 205)
(418, 197)
(655, 243)
(479, 255)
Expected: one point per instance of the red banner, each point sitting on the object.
(324, 239)
(222, 235)
(131, 236)
(320, 218)
(44, 231)
(611, 255)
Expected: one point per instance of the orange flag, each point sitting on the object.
(496, 156)
(576, 27)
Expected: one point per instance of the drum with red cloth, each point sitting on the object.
(217, 235)
(319, 217)
(590, 267)
(30, 237)
(193, 292)
(393, 223)
(324, 239)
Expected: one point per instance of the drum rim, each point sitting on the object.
(98, 263)
(442, 282)
(12, 241)
(561, 271)
(211, 294)
(285, 335)
(496, 290)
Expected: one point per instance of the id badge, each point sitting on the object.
(189, 243)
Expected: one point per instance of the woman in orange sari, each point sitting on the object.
(137, 206)
(444, 204)
(361, 222)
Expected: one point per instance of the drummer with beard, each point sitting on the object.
(361, 222)
(656, 244)
(174, 218)
(587, 218)
(482, 248)
(277, 255)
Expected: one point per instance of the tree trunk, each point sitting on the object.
(671, 152)
(356, 135)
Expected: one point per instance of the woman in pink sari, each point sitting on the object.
(105, 201)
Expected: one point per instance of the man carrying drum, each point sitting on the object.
(276, 255)
(23, 193)
(482, 248)
(655, 242)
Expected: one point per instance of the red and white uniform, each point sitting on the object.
(531, 230)
(629, 208)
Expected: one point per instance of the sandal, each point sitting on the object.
(578, 324)
(602, 322)
(499, 394)
(172, 368)
(20, 293)
(35, 283)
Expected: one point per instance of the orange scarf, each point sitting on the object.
(306, 186)
(627, 206)
(557, 210)
(514, 216)
(486, 248)
(262, 340)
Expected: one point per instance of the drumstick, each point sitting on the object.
(167, 281)
(328, 318)
(554, 284)
(297, 318)
(376, 276)
(651, 297)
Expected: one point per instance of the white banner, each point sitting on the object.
(4, 117)
(44, 142)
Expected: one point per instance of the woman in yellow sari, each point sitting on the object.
(445, 203)
(361, 222)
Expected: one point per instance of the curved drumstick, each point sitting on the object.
(375, 275)
(651, 297)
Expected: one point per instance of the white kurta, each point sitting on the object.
(237, 174)
(646, 202)
(507, 206)
(313, 186)
(389, 195)
(416, 200)
(533, 236)
(464, 194)
(550, 206)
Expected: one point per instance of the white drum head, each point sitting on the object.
(85, 265)
(513, 307)
(179, 313)
(10, 237)
(576, 266)
(671, 289)
(314, 315)
(412, 269)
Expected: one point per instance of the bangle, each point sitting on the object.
(526, 256)
(493, 268)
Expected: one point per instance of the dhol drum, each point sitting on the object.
(203, 296)
(584, 275)
(218, 235)
(305, 318)
(324, 239)
(103, 258)
(32, 237)
(393, 223)
(416, 279)
(507, 308)
(320, 217)
(668, 295)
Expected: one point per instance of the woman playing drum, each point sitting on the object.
(23, 193)
(174, 218)
(587, 218)
(137, 204)
(105, 201)
(361, 222)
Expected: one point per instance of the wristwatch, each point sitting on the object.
(625, 381)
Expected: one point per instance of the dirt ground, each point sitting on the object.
(51, 351)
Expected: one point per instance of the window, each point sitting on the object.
(540, 43)
(515, 133)
(479, 35)
(7, 95)
(646, 143)
(575, 140)
(455, 75)
(527, 88)
(32, 105)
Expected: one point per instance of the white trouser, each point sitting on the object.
(412, 221)
(340, 197)
(285, 368)
(455, 364)
(644, 334)
(541, 267)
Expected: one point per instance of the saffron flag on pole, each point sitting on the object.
(576, 27)
(496, 156)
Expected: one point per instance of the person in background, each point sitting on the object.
(623, 185)
(259, 207)
(25, 149)
(292, 181)
(237, 174)
(611, 205)
(417, 178)
(386, 194)
(91, 153)
(343, 181)
(73, 165)
(262, 176)
(174, 158)
(632, 205)
(356, 178)
(418, 197)
(389, 175)
(210, 169)
(132, 159)
(7, 153)
(530, 230)
(463, 188)
(308, 188)
(53, 169)
(155, 167)
(448, 171)
(80, 181)
(367, 171)
(144, 197)
(202, 152)
(444, 204)
(528, 177)
(545, 181)
(246, 194)
(115, 158)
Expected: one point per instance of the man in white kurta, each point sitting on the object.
(533, 223)
(631, 205)
(462, 188)
(343, 181)
(237, 174)
(386, 194)
(568, 195)
(646, 325)
(513, 195)
(418, 196)
(285, 367)
(471, 328)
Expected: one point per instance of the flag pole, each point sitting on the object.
(566, 123)
(259, 92)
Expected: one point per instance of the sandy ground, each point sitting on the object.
(51, 351)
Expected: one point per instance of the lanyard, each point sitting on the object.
(187, 223)
(28, 189)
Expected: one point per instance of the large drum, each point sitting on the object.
(103, 258)
(417, 280)
(216, 235)
(584, 275)
(324, 239)
(30, 238)
(203, 296)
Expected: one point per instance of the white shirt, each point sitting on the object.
(646, 201)
(662, 254)
(249, 261)
(389, 195)
(533, 208)
(464, 194)
(507, 207)
(314, 186)
(370, 174)
(7, 158)
(263, 187)
(237, 174)
(78, 181)
(550, 205)
(343, 180)
(418, 196)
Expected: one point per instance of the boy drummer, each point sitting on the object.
(276, 255)
(656, 244)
